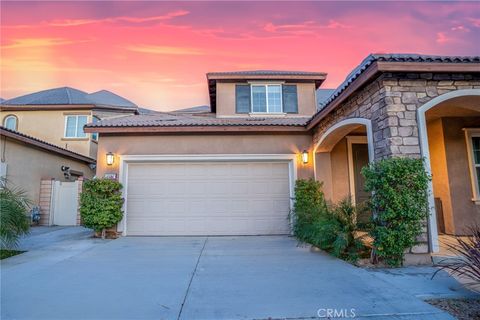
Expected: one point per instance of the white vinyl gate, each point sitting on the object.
(65, 203)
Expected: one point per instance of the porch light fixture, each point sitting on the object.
(110, 158)
(305, 156)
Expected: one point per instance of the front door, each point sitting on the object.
(360, 160)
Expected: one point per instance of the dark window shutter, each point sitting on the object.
(290, 100)
(242, 97)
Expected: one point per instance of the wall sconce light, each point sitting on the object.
(110, 158)
(305, 156)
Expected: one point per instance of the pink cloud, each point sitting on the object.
(157, 54)
(442, 38)
(79, 22)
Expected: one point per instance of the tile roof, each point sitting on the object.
(108, 98)
(266, 73)
(181, 120)
(323, 95)
(44, 145)
(394, 58)
(64, 95)
(147, 111)
(71, 96)
(196, 109)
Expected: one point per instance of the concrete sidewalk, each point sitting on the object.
(206, 278)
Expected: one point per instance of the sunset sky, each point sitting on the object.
(157, 53)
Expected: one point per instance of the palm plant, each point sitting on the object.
(466, 264)
(14, 222)
(347, 244)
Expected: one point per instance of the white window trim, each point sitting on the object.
(469, 134)
(76, 126)
(266, 85)
(8, 117)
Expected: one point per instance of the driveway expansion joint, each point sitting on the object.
(191, 279)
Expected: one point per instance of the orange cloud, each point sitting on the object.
(38, 42)
(166, 50)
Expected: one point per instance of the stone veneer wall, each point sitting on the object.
(391, 102)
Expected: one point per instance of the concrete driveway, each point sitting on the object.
(202, 278)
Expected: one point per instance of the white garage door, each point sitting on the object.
(208, 198)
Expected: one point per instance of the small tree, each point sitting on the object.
(399, 204)
(101, 204)
(14, 222)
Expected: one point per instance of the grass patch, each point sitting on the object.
(4, 254)
(462, 309)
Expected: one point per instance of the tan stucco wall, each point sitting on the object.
(466, 212)
(332, 169)
(26, 166)
(204, 144)
(226, 99)
(438, 163)
(455, 189)
(50, 127)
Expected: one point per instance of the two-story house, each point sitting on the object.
(45, 150)
(58, 115)
(232, 170)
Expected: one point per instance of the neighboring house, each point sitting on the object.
(34, 165)
(58, 116)
(232, 171)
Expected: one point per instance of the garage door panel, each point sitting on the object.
(208, 198)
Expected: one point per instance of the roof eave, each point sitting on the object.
(378, 67)
(38, 107)
(45, 146)
(194, 129)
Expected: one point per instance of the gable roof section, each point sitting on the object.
(292, 76)
(71, 96)
(377, 63)
(43, 145)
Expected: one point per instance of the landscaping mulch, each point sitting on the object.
(462, 309)
(4, 254)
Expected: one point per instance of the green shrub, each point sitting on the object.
(330, 228)
(14, 220)
(101, 204)
(399, 204)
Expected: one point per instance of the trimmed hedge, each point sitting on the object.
(399, 202)
(101, 204)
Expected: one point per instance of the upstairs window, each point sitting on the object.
(74, 126)
(266, 98)
(10, 122)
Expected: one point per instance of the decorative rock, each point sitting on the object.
(409, 97)
(410, 150)
(410, 141)
(405, 131)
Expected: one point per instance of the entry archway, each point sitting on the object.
(447, 126)
(340, 153)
